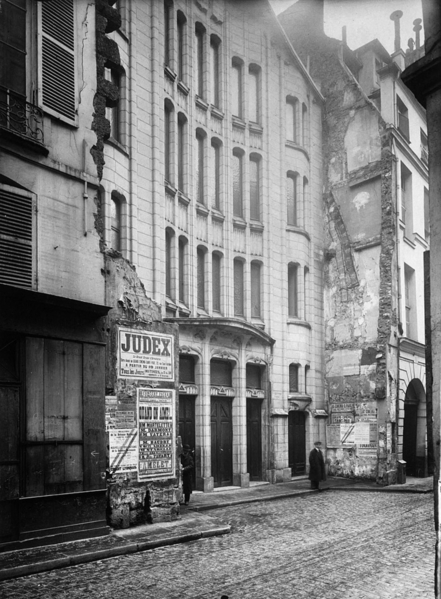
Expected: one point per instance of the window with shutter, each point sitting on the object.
(17, 237)
(57, 79)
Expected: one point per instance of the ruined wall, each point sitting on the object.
(360, 262)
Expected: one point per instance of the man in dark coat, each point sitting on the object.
(317, 470)
(187, 473)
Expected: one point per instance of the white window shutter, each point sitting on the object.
(57, 70)
(17, 237)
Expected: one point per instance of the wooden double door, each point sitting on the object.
(254, 438)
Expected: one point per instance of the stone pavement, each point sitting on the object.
(193, 525)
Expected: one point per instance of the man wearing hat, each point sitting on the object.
(187, 473)
(317, 470)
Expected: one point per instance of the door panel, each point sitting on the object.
(296, 440)
(9, 462)
(221, 442)
(254, 438)
(410, 437)
(187, 430)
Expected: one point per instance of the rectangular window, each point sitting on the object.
(201, 278)
(113, 114)
(292, 291)
(409, 299)
(168, 264)
(236, 90)
(181, 45)
(238, 289)
(255, 188)
(115, 225)
(167, 38)
(253, 376)
(216, 282)
(186, 369)
(215, 71)
(291, 199)
(307, 368)
(256, 311)
(424, 147)
(199, 61)
(406, 200)
(403, 118)
(17, 237)
(13, 47)
(200, 179)
(292, 126)
(221, 373)
(294, 378)
(215, 175)
(237, 185)
(57, 51)
(426, 214)
(254, 94)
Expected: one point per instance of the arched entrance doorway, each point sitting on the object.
(414, 429)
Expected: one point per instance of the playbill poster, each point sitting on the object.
(156, 433)
(145, 355)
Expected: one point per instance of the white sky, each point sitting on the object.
(366, 20)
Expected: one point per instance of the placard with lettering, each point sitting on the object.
(123, 450)
(145, 355)
(156, 433)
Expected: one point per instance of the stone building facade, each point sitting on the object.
(375, 195)
(212, 190)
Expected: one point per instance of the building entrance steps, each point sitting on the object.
(192, 525)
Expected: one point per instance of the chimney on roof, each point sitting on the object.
(417, 28)
(395, 17)
(344, 36)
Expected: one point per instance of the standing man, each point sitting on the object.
(187, 473)
(317, 470)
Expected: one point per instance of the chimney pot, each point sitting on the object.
(395, 17)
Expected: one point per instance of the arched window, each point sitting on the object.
(292, 119)
(215, 173)
(292, 198)
(305, 125)
(238, 182)
(305, 291)
(216, 274)
(239, 303)
(181, 31)
(200, 42)
(117, 213)
(201, 253)
(293, 378)
(182, 151)
(237, 87)
(255, 191)
(293, 300)
(169, 250)
(183, 275)
(256, 290)
(254, 93)
(215, 70)
(168, 6)
(168, 136)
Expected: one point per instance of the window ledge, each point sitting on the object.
(299, 230)
(183, 88)
(239, 223)
(409, 241)
(300, 323)
(298, 395)
(296, 146)
(238, 122)
(183, 199)
(202, 312)
(184, 311)
(201, 209)
(255, 128)
(216, 112)
(256, 225)
(117, 145)
(24, 141)
(170, 304)
(169, 73)
(258, 322)
(169, 188)
(216, 215)
(200, 103)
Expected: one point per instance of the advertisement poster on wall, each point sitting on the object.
(156, 433)
(144, 355)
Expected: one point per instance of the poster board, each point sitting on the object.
(144, 355)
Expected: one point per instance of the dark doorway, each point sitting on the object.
(187, 424)
(9, 462)
(221, 442)
(296, 441)
(254, 438)
(410, 437)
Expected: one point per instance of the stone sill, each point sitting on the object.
(200, 103)
(296, 146)
(299, 230)
(184, 89)
(300, 323)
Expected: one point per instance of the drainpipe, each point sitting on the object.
(398, 245)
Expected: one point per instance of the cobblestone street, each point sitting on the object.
(351, 545)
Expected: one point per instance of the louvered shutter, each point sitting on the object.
(57, 59)
(17, 237)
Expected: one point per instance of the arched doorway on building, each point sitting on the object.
(297, 442)
(414, 429)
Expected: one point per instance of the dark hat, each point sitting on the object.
(187, 447)
(317, 442)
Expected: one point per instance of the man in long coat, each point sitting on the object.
(317, 470)
(187, 473)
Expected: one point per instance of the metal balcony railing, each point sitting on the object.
(20, 117)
